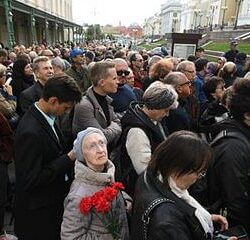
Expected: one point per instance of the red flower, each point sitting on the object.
(101, 202)
(117, 185)
(102, 206)
(85, 205)
(110, 193)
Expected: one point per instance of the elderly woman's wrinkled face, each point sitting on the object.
(94, 148)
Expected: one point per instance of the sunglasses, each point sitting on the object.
(123, 72)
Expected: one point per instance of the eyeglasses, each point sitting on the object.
(186, 83)
(122, 73)
(3, 75)
(139, 60)
(202, 174)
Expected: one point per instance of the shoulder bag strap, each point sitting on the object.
(150, 208)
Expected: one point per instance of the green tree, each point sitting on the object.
(94, 32)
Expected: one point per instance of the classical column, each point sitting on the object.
(56, 38)
(62, 33)
(9, 23)
(68, 34)
(33, 28)
(46, 30)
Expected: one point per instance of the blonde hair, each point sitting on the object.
(2, 69)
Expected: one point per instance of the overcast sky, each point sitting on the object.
(114, 11)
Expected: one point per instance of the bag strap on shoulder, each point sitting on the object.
(232, 134)
(146, 215)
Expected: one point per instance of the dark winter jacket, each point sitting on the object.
(178, 118)
(229, 174)
(174, 219)
(136, 118)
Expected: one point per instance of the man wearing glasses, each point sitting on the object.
(192, 106)
(178, 118)
(124, 95)
(136, 61)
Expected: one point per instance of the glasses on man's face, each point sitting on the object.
(122, 73)
(186, 83)
(139, 60)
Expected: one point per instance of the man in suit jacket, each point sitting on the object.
(43, 71)
(42, 164)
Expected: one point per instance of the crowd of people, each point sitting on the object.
(110, 143)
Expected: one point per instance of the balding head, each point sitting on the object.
(175, 78)
(180, 82)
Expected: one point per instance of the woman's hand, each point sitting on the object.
(8, 89)
(221, 220)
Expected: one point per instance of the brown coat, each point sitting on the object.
(6, 139)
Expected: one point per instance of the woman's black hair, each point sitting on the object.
(182, 153)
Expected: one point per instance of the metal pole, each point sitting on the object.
(238, 2)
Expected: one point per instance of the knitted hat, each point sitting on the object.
(80, 138)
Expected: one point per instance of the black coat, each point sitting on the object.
(173, 220)
(30, 96)
(41, 167)
(228, 176)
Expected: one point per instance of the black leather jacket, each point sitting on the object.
(173, 220)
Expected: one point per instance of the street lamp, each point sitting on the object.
(200, 15)
(223, 8)
(196, 13)
(238, 3)
(175, 20)
(211, 17)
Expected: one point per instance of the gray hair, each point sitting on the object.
(174, 78)
(37, 60)
(58, 62)
(154, 59)
(160, 96)
(182, 66)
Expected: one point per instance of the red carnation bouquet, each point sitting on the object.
(101, 205)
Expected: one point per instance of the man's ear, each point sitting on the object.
(52, 100)
(101, 82)
(178, 89)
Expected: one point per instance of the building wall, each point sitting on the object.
(60, 8)
(244, 17)
(170, 13)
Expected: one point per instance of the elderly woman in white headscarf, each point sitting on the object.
(93, 172)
